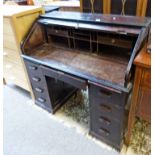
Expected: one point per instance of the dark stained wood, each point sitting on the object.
(97, 18)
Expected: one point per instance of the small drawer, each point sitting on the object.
(32, 68)
(57, 31)
(114, 42)
(39, 91)
(99, 94)
(146, 79)
(70, 79)
(34, 72)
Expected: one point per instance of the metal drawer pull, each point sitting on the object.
(105, 120)
(104, 131)
(106, 107)
(33, 67)
(41, 99)
(105, 92)
(39, 90)
(36, 79)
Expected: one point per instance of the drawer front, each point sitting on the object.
(72, 80)
(11, 56)
(34, 72)
(106, 95)
(57, 31)
(15, 73)
(115, 42)
(9, 41)
(146, 79)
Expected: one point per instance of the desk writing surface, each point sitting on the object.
(104, 68)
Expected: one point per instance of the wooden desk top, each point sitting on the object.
(92, 67)
(143, 59)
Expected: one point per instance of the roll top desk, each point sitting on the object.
(64, 52)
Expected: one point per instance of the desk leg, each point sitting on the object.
(132, 111)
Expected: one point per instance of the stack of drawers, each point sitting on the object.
(38, 84)
(12, 63)
(107, 110)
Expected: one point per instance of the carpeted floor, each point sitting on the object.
(29, 130)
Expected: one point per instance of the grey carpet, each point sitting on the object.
(30, 131)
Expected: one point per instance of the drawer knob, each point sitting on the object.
(36, 79)
(39, 90)
(105, 120)
(104, 131)
(42, 100)
(33, 67)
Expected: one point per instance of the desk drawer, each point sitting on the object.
(57, 31)
(107, 95)
(15, 73)
(70, 79)
(114, 41)
(35, 75)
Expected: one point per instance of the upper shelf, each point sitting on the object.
(98, 18)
